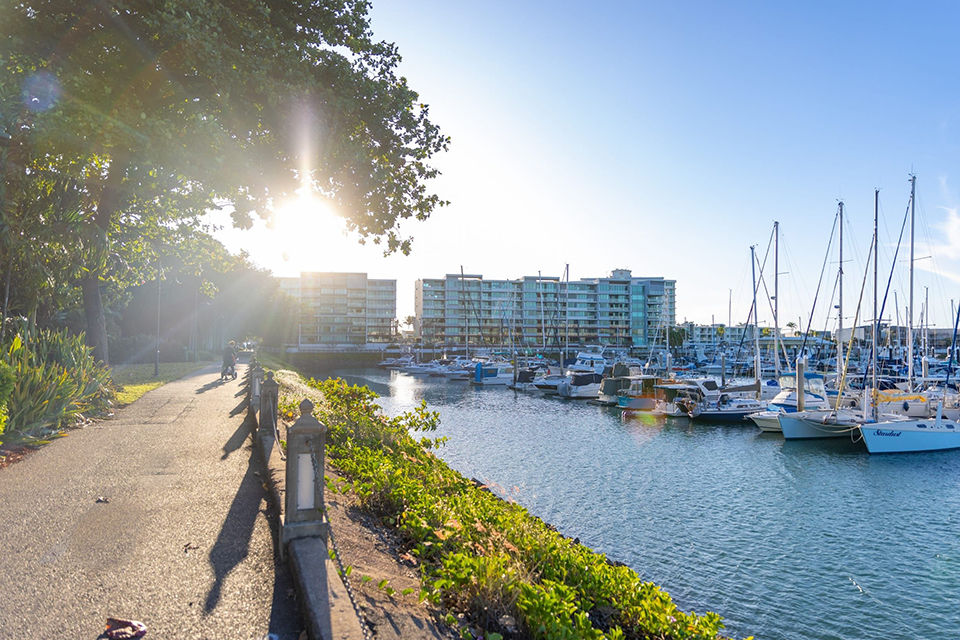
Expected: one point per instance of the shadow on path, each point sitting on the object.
(233, 542)
(213, 384)
(240, 408)
(233, 546)
(238, 438)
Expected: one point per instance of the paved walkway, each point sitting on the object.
(184, 543)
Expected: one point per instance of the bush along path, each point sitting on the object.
(496, 570)
(50, 381)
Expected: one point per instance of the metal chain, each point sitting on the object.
(364, 627)
(276, 434)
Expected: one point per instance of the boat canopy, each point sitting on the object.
(580, 379)
(753, 387)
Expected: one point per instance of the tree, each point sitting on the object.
(677, 336)
(158, 111)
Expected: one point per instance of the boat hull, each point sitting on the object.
(636, 403)
(911, 436)
(796, 426)
(767, 421)
(709, 415)
(578, 391)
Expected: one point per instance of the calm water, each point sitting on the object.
(783, 539)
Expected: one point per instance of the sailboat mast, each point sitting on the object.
(566, 316)
(840, 305)
(913, 204)
(876, 320)
(776, 299)
(756, 324)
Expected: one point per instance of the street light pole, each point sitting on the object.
(156, 355)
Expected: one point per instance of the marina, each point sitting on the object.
(787, 538)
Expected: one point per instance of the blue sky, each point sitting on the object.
(667, 137)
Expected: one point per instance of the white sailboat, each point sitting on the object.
(908, 436)
(788, 400)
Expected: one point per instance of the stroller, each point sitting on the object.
(229, 370)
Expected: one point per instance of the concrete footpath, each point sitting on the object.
(158, 514)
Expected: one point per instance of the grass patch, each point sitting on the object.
(134, 380)
(272, 361)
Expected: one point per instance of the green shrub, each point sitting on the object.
(55, 378)
(7, 380)
(483, 556)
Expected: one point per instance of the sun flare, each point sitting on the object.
(308, 233)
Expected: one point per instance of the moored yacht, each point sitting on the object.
(906, 436)
(641, 395)
(580, 385)
(620, 378)
(493, 373)
(829, 423)
(786, 401)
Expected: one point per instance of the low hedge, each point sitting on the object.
(508, 572)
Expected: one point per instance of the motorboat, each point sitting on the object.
(704, 399)
(620, 378)
(395, 363)
(580, 385)
(641, 395)
(588, 362)
(493, 373)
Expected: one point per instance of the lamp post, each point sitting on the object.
(156, 355)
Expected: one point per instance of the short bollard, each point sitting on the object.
(303, 504)
(269, 393)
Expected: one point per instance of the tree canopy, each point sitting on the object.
(140, 115)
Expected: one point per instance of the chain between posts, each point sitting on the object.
(276, 439)
(364, 627)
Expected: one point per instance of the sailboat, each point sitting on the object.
(907, 436)
(788, 400)
(837, 423)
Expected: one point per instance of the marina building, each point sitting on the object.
(544, 311)
(343, 309)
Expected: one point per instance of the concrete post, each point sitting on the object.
(303, 502)
(269, 392)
